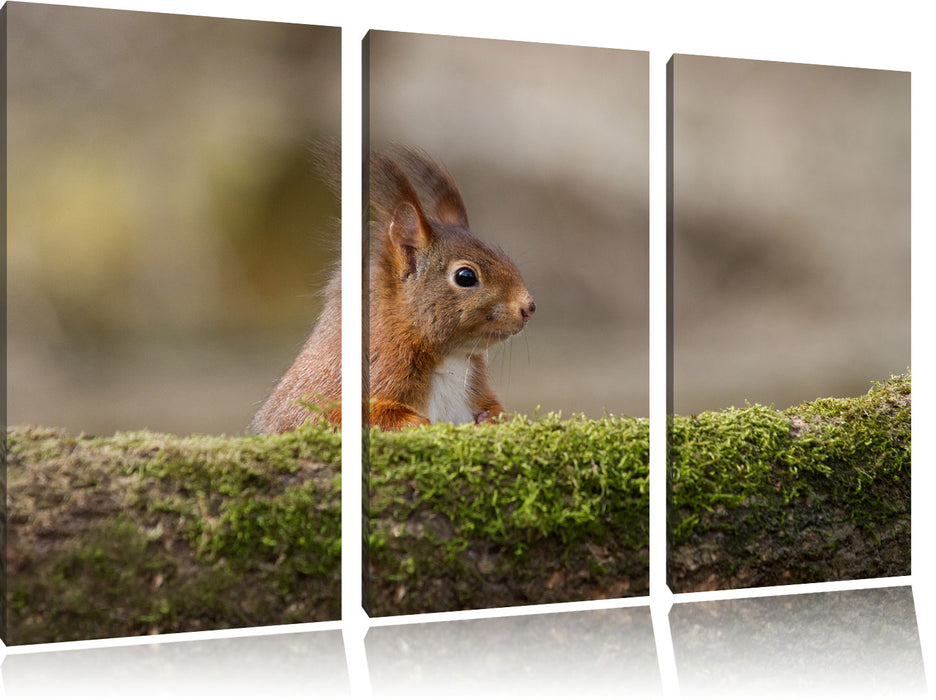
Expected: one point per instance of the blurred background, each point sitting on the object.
(167, 231)
(791, 231)
(549, 147)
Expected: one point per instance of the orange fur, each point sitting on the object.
(421, 312)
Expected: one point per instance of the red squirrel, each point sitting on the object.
(439, 298)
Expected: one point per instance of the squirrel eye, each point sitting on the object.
(465, 277)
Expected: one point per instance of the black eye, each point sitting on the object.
(465, 277)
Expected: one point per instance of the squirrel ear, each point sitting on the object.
(447, 203)
(408, 232)
(452, 211)
(407, 227)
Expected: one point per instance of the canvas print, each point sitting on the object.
(168, 234)
(789, 352)
(506, 323)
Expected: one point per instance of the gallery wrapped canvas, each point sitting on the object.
(166, 234)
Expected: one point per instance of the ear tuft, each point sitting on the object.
(445, 201)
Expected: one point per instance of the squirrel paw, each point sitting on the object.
(488, 417)
(392, 415)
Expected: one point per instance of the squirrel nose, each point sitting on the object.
(527, 311)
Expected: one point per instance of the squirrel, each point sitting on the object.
(439, 299)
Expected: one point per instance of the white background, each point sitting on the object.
(896, 36)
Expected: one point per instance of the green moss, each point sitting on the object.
(470, 503)
(852, 453)
(140, 532)
(525, 479)
(112, 581)
(297, 530)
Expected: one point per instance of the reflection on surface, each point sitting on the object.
(589, 652)
(847, 642)
(842, 643)
(283, 666)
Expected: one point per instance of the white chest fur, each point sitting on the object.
(448, 397)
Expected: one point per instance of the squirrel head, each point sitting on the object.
(457, 292)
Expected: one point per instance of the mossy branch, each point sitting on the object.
(141, 532)
(528, 511)
(818, 492)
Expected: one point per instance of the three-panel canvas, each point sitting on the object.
(173, 316)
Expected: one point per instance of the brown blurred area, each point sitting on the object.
(549, 147)
(167, 232)
(791, 231)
